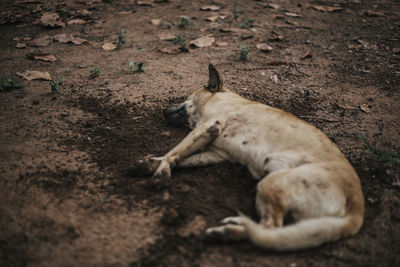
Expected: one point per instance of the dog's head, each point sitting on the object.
(189, 112)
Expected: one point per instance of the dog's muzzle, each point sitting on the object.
(176, 115)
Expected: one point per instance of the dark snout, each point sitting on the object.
(176, 115)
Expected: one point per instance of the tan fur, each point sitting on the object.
(302, 172)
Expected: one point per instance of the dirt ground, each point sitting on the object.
(65, 199)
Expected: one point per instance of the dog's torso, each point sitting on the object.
(265, 139)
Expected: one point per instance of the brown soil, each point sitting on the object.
(64, 197)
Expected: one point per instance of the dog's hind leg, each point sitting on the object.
(200, 159)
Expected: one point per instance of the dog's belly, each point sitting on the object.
(259, 155)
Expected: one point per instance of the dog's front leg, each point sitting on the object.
(195, 140)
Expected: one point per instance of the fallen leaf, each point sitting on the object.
(215, 18)
(246, 35)
(396, 50)
(35, 75)
(156, 22)
(16, 38)
(78, 41)
(274, 78)
(166, 36)
(76, 21)
(365, 108)
(274, 6)
(51, 20)
(170, 50)
(85, 12)
(275, 38)
(210, 8)
(365, 44)
(306, 55)
(371, 13)
(42, 56)
(221, 44)
(42, 41)
(65, 38)
(108, 46)
(327, 8)
(20, 45)
(145, 2)
(203, 41)
(294, 15)
(264, 47)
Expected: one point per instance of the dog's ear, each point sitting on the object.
(215, 80)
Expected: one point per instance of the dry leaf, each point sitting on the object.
(76, 21)
(274, 78)
(306, 55)
(156, 22)
(20, 45)
(16, 38)
(327, 8)
(78, 41)
(108, 46)
(264, 47)
(275, 38)
(51, 20)
(215, 18)
(294, 15)
(145, 2)
(42, 56)
(35, 75)
(170, 50)
(166, 36)
(365, 108)
(221, 44)
(85, 12)
(371, 13)
(42, 41)
(203, 41)
(210, 8)
(65, 38)
(396, 50)
(274, 6)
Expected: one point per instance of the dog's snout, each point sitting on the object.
(176, 115)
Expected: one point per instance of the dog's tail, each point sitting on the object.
(304, 234)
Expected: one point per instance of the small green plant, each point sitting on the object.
(248, 24)
(168, 25)
(244, 52)
(94, 73)
(139, 67)
(6, 84)
(185, 22)
(121, 37)
(180, 40)
(56, 84)
(235, 9)
(380, 159)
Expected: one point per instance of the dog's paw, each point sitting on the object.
(145, 167)
(233, 220)
(227, 232)
(215, 233)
